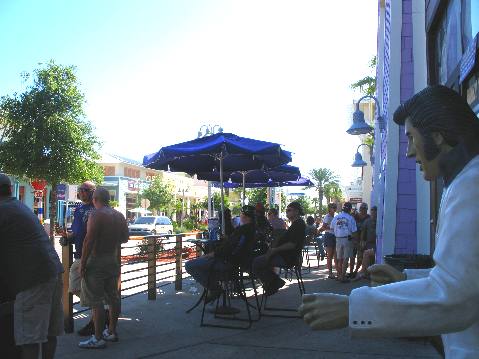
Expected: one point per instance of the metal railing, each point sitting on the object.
(164, 256)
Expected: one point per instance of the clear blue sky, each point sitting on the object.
(154, 71)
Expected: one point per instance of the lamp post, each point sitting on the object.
(208, 131)
(182, 191)
(359, 126)
(358, 158)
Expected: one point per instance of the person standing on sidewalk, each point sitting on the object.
(344, 227)
(76, 237)
(31, 271)
(329, 240)
(442, 132)
(100, 267)
(360, 218)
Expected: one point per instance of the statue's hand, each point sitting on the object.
(384, 273)
(324, 311)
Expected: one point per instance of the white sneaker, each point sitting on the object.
(92, 343)
(109, 337)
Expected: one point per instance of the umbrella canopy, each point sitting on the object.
(219, 152)
(301, 182)
(278, 174)
(202, 155)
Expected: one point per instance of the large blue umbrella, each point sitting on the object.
(220, 152)
(301, 182)
(278, 174)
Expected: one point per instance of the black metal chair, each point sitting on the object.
(289, 272)
(232, 286)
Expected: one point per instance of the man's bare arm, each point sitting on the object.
(89, 238)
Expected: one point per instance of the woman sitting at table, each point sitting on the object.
(233, 251)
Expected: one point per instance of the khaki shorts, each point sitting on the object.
(38, 312)
(75, 278)
(344, 248)
(100, 282)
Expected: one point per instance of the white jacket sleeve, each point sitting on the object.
(445, 301)
(416, 273)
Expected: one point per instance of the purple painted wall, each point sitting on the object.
(406, 239)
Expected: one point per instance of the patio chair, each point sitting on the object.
(289, 272)
(232, 284)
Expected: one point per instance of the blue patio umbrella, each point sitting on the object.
(222, 152)
(278, 174)
(301, 182)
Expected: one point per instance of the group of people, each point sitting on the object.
(31, 296)
(257, 244)
(349, 238)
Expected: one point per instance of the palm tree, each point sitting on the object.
(333, 192)
(321, 177)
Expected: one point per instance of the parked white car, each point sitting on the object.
(147, 225)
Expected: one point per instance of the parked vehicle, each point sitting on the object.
(147, 225)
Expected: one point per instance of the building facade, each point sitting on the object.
(420, 42)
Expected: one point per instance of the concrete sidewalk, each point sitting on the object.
(162, 329)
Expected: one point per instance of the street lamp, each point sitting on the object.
(359, 126)
(209, 130)
(182, 191)
(358, 158)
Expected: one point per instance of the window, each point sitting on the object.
(470, 21)
(108, 170)
(448, 41)
(456, 26)
(131, 172)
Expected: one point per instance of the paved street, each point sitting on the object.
(162, 329)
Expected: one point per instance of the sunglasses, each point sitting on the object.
(84, 189)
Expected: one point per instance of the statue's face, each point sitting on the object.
(415, 148)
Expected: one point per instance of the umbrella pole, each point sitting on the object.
(223, 229)
(244, 187)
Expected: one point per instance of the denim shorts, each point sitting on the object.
(329, 240)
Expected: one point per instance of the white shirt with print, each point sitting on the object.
(343, 225)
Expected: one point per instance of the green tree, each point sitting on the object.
(367, 86)
(160, 194)
(257, 195)
(307, 204)
(333, 192)
(216, 202)
(44, 133)
(320, 177)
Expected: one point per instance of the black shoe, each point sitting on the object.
(87, 330)
(269, 290)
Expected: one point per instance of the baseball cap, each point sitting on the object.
(364, 205)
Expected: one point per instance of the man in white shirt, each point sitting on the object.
(344, 227)
(442, 133)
